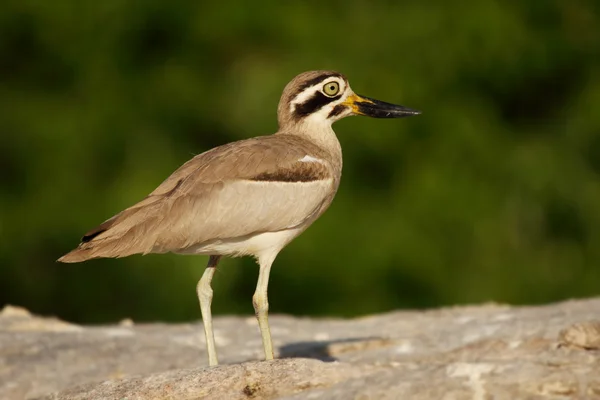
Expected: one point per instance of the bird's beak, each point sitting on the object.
(362, 105)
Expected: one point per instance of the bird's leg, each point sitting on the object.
(205, 294)
(261, 304)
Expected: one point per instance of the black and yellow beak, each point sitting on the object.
(362, 105)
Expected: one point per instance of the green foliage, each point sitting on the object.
(492, 194)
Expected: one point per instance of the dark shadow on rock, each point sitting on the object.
(324, 350)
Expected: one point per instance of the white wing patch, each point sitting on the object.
(309, 159)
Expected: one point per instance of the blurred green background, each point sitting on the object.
(492, 194)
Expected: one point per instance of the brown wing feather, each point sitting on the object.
(140, 228)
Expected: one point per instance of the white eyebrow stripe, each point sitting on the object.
(308, 158)
(311, 90)
(304, 96)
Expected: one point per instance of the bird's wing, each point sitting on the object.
(264, 184)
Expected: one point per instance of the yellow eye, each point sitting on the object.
(331, 88)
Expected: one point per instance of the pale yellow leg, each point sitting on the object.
(205, 294)
(261, 305)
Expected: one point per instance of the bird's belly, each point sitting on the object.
(255, 244)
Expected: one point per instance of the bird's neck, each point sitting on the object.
(320, 134)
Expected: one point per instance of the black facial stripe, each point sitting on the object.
(315, 103)
(337, 110)
(314, 81)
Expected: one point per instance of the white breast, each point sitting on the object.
(257, 245)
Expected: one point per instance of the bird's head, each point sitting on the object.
(324, 97)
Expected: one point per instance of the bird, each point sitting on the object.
(250, 197)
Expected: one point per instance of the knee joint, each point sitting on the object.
(261, 303)
(205, 291)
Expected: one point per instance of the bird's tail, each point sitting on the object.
(76, 255)
(122, 235)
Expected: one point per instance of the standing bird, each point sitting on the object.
(250, 197)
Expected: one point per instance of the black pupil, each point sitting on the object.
(332, 87)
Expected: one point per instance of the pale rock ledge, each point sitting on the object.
(477, 352)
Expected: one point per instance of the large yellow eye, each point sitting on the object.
(331, 88)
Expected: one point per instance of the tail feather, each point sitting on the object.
(120, 236)
(77, 255)
(115, 248)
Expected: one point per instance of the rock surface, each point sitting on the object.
(479, 352)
